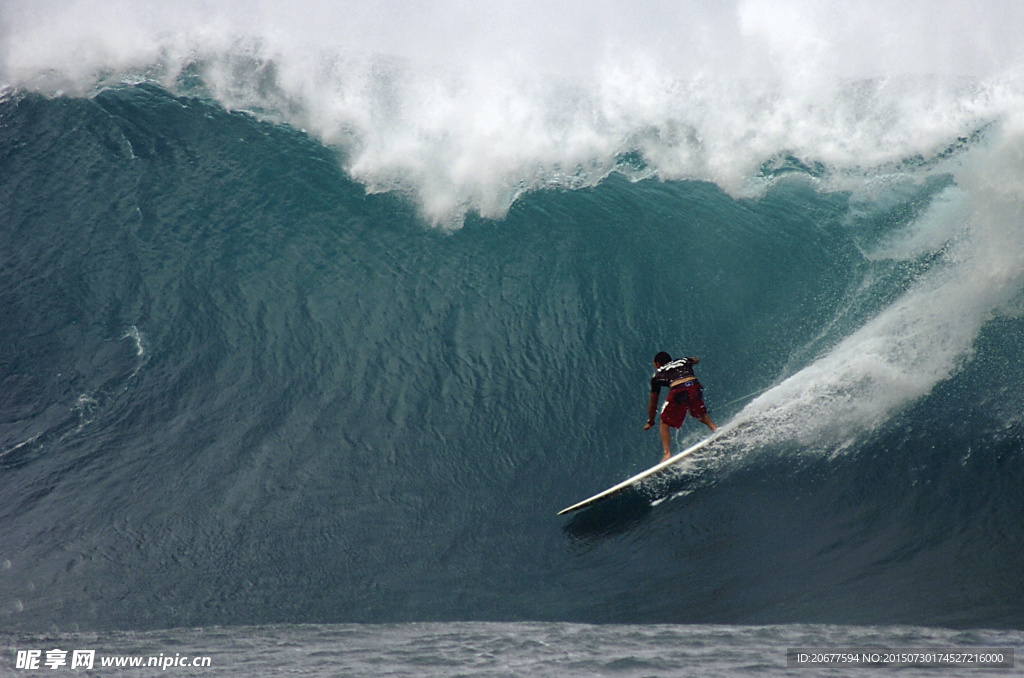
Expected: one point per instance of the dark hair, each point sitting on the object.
(663, 358)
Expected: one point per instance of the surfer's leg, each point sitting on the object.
(697, 408)
(665, 439)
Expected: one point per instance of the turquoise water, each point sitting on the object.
(311, 321)
(240, 390)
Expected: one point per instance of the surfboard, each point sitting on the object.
(648, 473)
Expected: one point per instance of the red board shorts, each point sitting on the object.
(688, 397)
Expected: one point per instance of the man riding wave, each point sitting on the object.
(685, 395)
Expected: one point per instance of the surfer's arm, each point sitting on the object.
(652, 408)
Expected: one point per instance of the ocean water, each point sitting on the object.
(310, 323)
(527, 649)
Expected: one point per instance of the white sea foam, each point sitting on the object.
(926, 335)
(464, 106)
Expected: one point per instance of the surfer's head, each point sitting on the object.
(662, 358)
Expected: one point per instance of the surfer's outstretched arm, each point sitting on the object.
(652, 410)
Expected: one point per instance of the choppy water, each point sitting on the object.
(523, 649)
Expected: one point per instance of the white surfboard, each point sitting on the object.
(648, 473)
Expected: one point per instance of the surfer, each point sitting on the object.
(685, 394)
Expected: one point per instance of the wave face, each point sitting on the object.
(247, 379)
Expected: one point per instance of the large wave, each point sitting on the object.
(249, 382)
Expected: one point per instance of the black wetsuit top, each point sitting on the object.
(674, 371)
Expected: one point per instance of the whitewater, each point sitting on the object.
(312, 317)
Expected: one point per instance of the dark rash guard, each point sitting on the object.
(673, 371)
